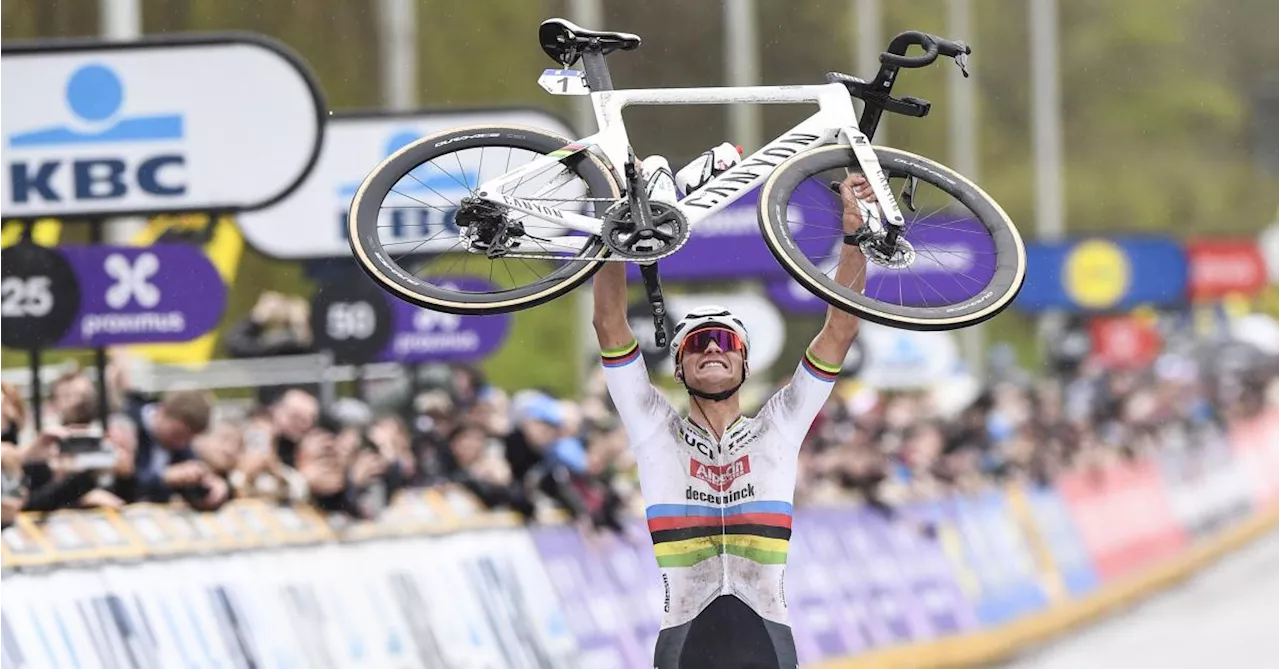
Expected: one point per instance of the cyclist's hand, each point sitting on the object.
(855, 187)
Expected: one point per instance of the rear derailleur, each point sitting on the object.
(486, 229)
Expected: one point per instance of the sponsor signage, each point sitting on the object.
(1218, 268)
(360, 322)
(311, 222)
(156, 125)
(88, 296)
(132, 295)
(1098, 275)
(1125, 341)
(954, 261)
(720, 477)
(728, 244)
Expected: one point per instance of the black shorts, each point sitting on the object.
(726, 635)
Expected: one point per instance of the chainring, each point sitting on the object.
(671, 231)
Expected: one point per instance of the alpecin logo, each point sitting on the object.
(720, 477)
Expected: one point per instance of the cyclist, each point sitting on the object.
(718, 486)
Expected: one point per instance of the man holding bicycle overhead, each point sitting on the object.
(718, 486)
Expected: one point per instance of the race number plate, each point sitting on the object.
(563, 82)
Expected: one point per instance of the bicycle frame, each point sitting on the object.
(835, 118)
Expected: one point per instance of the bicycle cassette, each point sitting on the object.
(668, 231)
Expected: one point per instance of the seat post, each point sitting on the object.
(597, 70)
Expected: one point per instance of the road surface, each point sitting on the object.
(1225, 617)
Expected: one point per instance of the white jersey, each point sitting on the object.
(719, 511)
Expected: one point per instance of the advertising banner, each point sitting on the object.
(155, 125)
(1124, 516)
(1098, 275)
(1256, 442)
(1221, 267)
(359, 322)
(134, 295)
(954, 260)
(311, 222)
(728, 245)
(999, 556)
(827, 610)
(1208, 487)
(1125, 341)
(594, 605)
(1055, 527)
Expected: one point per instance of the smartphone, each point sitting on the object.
(87, 449)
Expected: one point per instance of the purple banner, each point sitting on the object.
(827, 608)
(420, 335)
(931, 576)
(592, 600)
(135, 295)
(855, 580)
(729, 245)
(954, 260)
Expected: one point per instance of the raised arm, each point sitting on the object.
(641, 407)
(610, 317)
(833, 341)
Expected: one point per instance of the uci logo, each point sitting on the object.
(95, 98)
(423, 203)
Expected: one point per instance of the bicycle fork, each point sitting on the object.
(885, 222)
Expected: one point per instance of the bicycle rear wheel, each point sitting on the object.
(959, 261)
(406, 233)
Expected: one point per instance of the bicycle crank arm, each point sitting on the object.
(637, 194)
(653, 290)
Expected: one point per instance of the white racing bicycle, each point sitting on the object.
(539, 214)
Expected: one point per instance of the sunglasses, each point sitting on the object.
(726, 340)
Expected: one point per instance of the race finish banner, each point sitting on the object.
(311, 222)
(360, 323)
(155, 126)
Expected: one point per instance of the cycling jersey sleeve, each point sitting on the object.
(793, 408)
(642, 408)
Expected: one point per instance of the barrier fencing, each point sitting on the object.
(438, 582)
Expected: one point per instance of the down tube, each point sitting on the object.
(752, 171)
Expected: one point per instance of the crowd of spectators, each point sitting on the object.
(529, 451)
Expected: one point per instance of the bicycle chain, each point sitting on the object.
(538, 256)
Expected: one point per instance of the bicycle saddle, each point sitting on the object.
(565, 42)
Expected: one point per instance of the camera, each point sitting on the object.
(87, 450)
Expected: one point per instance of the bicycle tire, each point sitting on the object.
(365, 206)
(1011, 257)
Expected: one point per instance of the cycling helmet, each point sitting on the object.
(707, 315)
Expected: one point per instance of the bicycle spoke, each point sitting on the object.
(428, 239)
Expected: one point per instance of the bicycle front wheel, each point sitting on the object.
(407, 235)
(959, 259)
